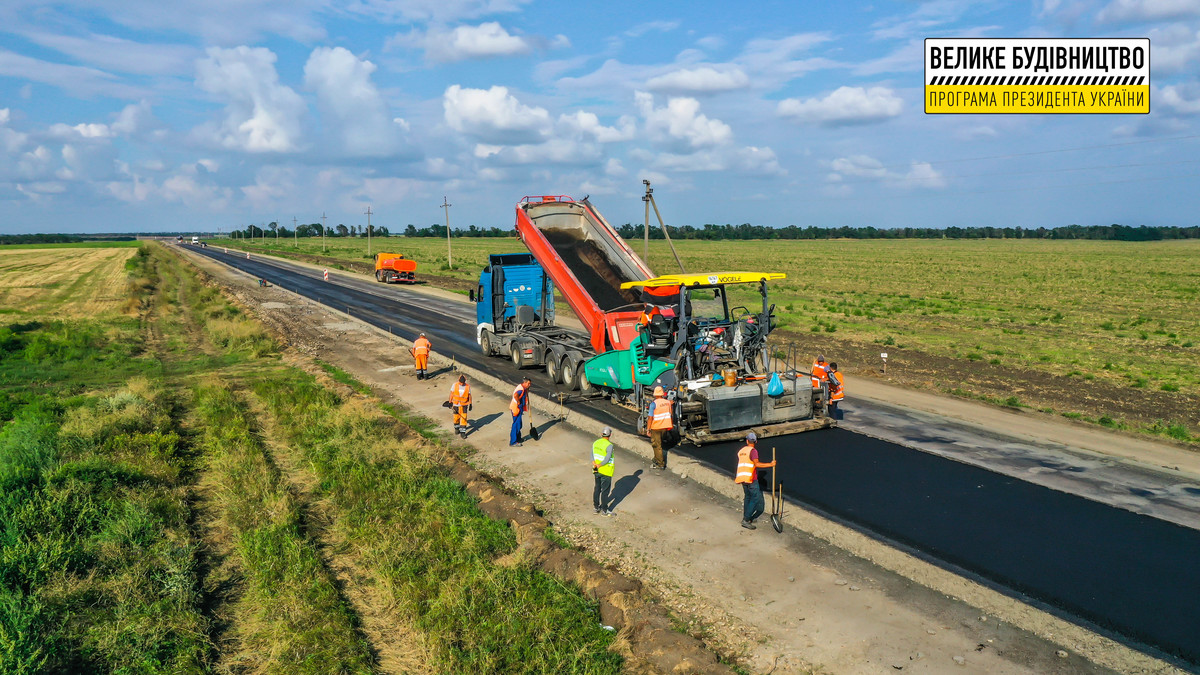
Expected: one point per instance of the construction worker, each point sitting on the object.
(517, 406)
(660, 420)
(820, 371)
(460, 403)
(420, 352)
(602, 469)
(837, 391)
(747, 476)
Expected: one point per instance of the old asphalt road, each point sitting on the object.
(1130, 575)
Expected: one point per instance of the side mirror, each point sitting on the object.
(471, 295)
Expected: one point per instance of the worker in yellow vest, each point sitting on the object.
(660, 420)
(820, 371)
(837, 391)
(747, 475)
(420, 352)
(460, 403)
(602, 469)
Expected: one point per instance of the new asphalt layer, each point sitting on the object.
(1133, 576)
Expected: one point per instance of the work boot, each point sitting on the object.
(749, 525)
(599, 510)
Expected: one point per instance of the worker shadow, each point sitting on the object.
(623, 488)
(441, 371)
(483, 422)
(542, 428)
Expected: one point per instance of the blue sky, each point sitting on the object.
(144, 115)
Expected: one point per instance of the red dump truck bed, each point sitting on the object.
(588, 262)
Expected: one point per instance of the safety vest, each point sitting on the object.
(745, 470)
(661, 417)
(836, 391)
(517, 404)
(460, 394)
(599, 450)
(421, 347)
(820, 373)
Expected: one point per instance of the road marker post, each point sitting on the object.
(326, 275)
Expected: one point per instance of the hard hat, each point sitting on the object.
(751, 437)
(422, 335)
(658, 391)
(606, 433)
(820, 357)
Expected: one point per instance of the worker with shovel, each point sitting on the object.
(420, 352)
(517, 406)
(747, 476)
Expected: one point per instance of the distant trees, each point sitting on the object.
(437, 230)
(748, 231)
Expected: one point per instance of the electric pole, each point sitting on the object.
(368, 231)
(646, 232)
(449, 255)
(322, 232)
(295, 233)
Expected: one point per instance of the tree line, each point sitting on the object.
(631, 231)
(54, 238)
(274, 229)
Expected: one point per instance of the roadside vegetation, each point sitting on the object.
(1097, 315)
(172, 494)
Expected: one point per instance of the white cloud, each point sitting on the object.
(1136, 11)
(113, 53)
(486, 40)
(703, 80)
(434, 11)
(1183, 99)
(272, 185)
(559, 151)
(350, 104)
(652, 26)
(261, 115)
(919, 174)
(680, 124)
(75, 80)
(10, 139)
(588, 124)
(494, 116)
(844, 106)
(614, 168)
(1173, 48)
(90, 130)
(133, 118)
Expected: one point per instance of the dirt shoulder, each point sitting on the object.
(820, 598)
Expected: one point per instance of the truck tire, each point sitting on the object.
(377, 276)
(485, 342)
(571, 369)
(585, 385)
(514, 352)
(554, 369)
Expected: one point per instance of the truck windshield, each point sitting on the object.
(708, 304)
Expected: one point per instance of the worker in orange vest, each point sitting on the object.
(517, 406)
(660, 416)
(747, 475)
(837, 391)
(420, 352)
(460, 403)
(820, 371)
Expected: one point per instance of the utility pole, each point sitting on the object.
(295, 233)
(322, 232)
(449, 256)
(646, 232)
(368, 231)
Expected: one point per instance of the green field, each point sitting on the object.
(173, 498)
(1116, 312)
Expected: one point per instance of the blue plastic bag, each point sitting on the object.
(775, 385)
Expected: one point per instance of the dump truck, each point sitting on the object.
(394, 267)
(640, 331)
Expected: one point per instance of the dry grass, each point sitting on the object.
(63, 282)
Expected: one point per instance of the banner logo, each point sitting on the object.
(1037, 75)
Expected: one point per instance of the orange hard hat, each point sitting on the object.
(658, 391)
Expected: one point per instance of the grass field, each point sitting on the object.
(63, 281)
(174, 498)
(1116, 312)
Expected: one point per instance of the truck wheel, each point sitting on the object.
(570, 373)
(485, 343)
(514, 352)
(554, 369)
(585, 385)
(377, 276)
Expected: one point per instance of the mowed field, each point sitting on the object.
(177, 497)
(1113, 317)
(71, 282)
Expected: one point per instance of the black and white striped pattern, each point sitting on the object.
(1037, 79)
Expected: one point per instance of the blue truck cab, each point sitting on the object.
(513, 293)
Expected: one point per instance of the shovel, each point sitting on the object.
(776, 497)
(533, 430)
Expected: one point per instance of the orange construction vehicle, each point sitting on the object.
(393, 267)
